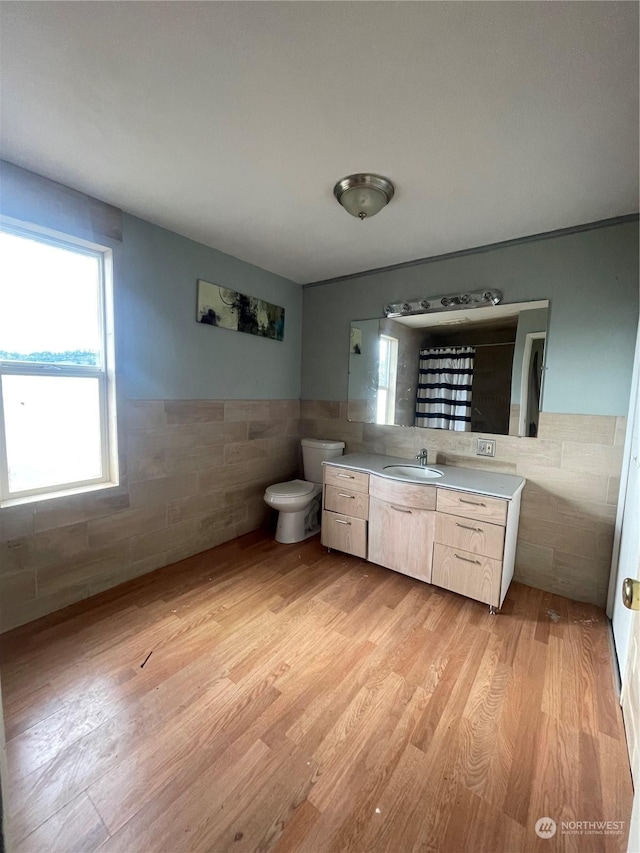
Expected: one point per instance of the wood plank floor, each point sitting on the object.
(296, 700)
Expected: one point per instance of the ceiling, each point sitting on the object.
(230, 122)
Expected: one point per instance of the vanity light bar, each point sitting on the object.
(450, 302)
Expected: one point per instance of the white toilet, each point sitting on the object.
(299, 501)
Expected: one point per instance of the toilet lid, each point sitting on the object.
(290, 489)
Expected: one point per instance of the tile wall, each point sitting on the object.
(193, 474)
(569, 501)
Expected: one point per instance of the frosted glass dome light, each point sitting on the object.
(364, 195)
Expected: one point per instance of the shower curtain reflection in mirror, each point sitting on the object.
(444, 388)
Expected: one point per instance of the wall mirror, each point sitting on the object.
(480, 370)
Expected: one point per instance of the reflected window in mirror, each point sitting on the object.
(387, 374)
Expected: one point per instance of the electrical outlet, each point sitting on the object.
(486, 447)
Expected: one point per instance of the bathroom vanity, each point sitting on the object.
(452, 527)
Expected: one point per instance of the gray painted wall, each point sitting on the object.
(590, 278)
(163, 353)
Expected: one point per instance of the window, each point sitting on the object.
(57, 400)
(387, 370)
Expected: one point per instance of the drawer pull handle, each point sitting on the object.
(466, 527)
(341, 521)
(473, 503)
(346, 476)
(467, 560)
(399, 509)
(342, 495)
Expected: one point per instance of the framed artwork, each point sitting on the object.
(355, 346)
(229, 309)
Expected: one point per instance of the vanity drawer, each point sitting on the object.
(467, 574)
(355, 480)
(344, 533)
(403, 494)
(347, 501)
(477, 537)
(474, 506)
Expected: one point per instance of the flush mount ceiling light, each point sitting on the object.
(364, 195)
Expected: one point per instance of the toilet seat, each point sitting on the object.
(290, 489)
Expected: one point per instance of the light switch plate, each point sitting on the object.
(486, 447)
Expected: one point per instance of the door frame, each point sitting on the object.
(524, 382)
(622, 500)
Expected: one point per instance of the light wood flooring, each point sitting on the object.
(296, 700)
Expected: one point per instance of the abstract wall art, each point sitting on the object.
(229, 309)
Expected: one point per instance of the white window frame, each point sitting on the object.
(386, 392)
(103, 372)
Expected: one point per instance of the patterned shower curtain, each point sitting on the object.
(444, 388)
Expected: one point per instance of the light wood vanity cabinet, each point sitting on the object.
(461, 541)
(345, 510)
(474, 544)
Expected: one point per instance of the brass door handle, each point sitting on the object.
(631, 593)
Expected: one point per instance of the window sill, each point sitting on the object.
(63, 493)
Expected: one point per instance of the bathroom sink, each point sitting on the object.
(413, 472)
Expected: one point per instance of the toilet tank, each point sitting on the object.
(315, 451)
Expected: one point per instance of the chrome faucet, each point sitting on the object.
(422, 457)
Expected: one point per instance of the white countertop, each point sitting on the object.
(489, 483)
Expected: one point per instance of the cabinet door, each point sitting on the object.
(344, 533)
(467, 573)
(401, 538)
